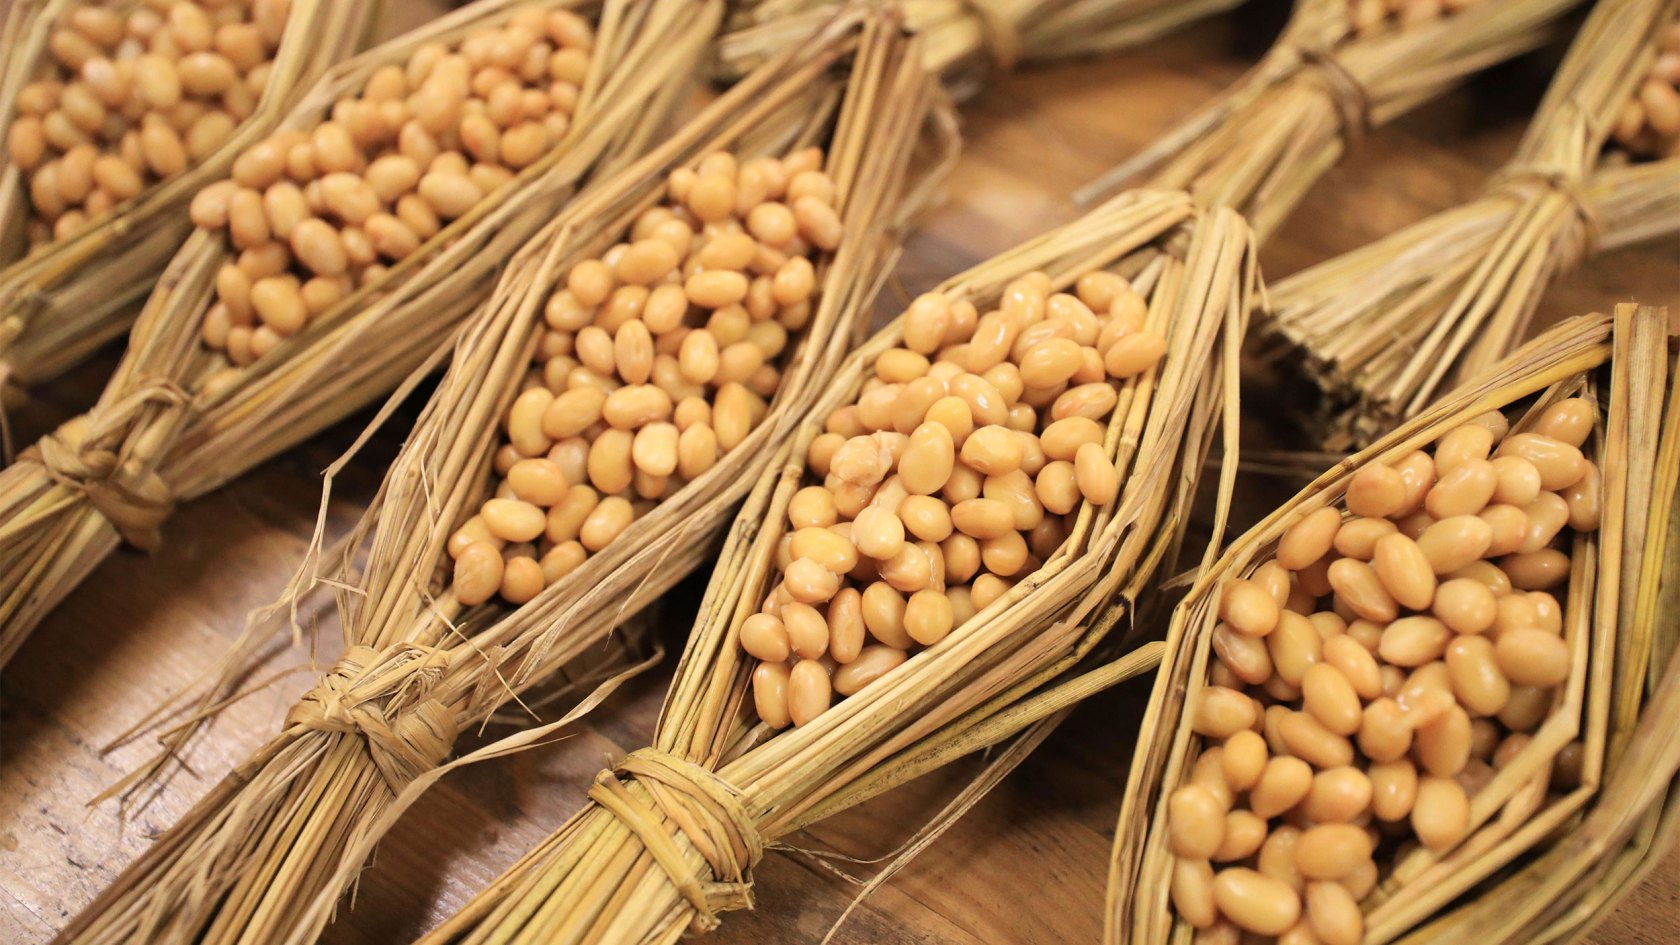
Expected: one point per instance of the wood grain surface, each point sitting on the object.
(1025, 867)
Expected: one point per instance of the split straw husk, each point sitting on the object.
(966, 40)
(672, 833)
(268, 854)
(1617, 364)
(177, 420)
(1384, 328)
(59, 304)
(1321, 88)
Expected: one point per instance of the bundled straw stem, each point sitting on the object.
(966, 40)
(178, 419)
(1321, 88)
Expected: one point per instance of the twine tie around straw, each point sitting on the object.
(693, 802)
(382, 695)
(124, 488)
(1526, 181)
(1347, 95)
(998, 33)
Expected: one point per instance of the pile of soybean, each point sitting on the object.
(316, 214)
(658, 358)
(959, 469)
(1377, 673)
(1649, 123)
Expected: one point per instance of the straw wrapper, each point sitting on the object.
(1624, 368)
(1320, 89)
(672, 833)
(1384, 328)
(58, 304)
(178, 420)
(267, 855)
(965, 40)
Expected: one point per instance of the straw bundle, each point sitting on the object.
(1386, 327)
(672, 833)
(1327, 81)
(179, 419)
(61, 300)
(1620, 369)
(966, 39)
(266, 856)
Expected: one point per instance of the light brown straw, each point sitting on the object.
(1263, 143)
(967, 40)
(1384, 328)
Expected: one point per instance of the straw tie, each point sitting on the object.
(381, 695)
(1530, 181)
(687, 802)
(998, 32)
(1347, 94)
(99, 461)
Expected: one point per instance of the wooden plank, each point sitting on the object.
(1027, 864)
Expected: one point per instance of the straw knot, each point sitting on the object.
(998, 33)
(383, 696)
(98, 456)
(678, 801)
(1347, 94)
(1528, 181)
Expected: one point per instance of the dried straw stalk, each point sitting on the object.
(59, 304)
(1624, 364)
(1320, 89)
(268, 854)
(1384, 328)
(965, 40)
(672, 833)
(177, 420)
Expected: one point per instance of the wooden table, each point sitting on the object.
(1027, 865)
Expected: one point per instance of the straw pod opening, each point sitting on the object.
(983, 444)
(1396, 684)
(179, 419)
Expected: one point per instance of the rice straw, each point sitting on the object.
(1316, 94)
(965, 40)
